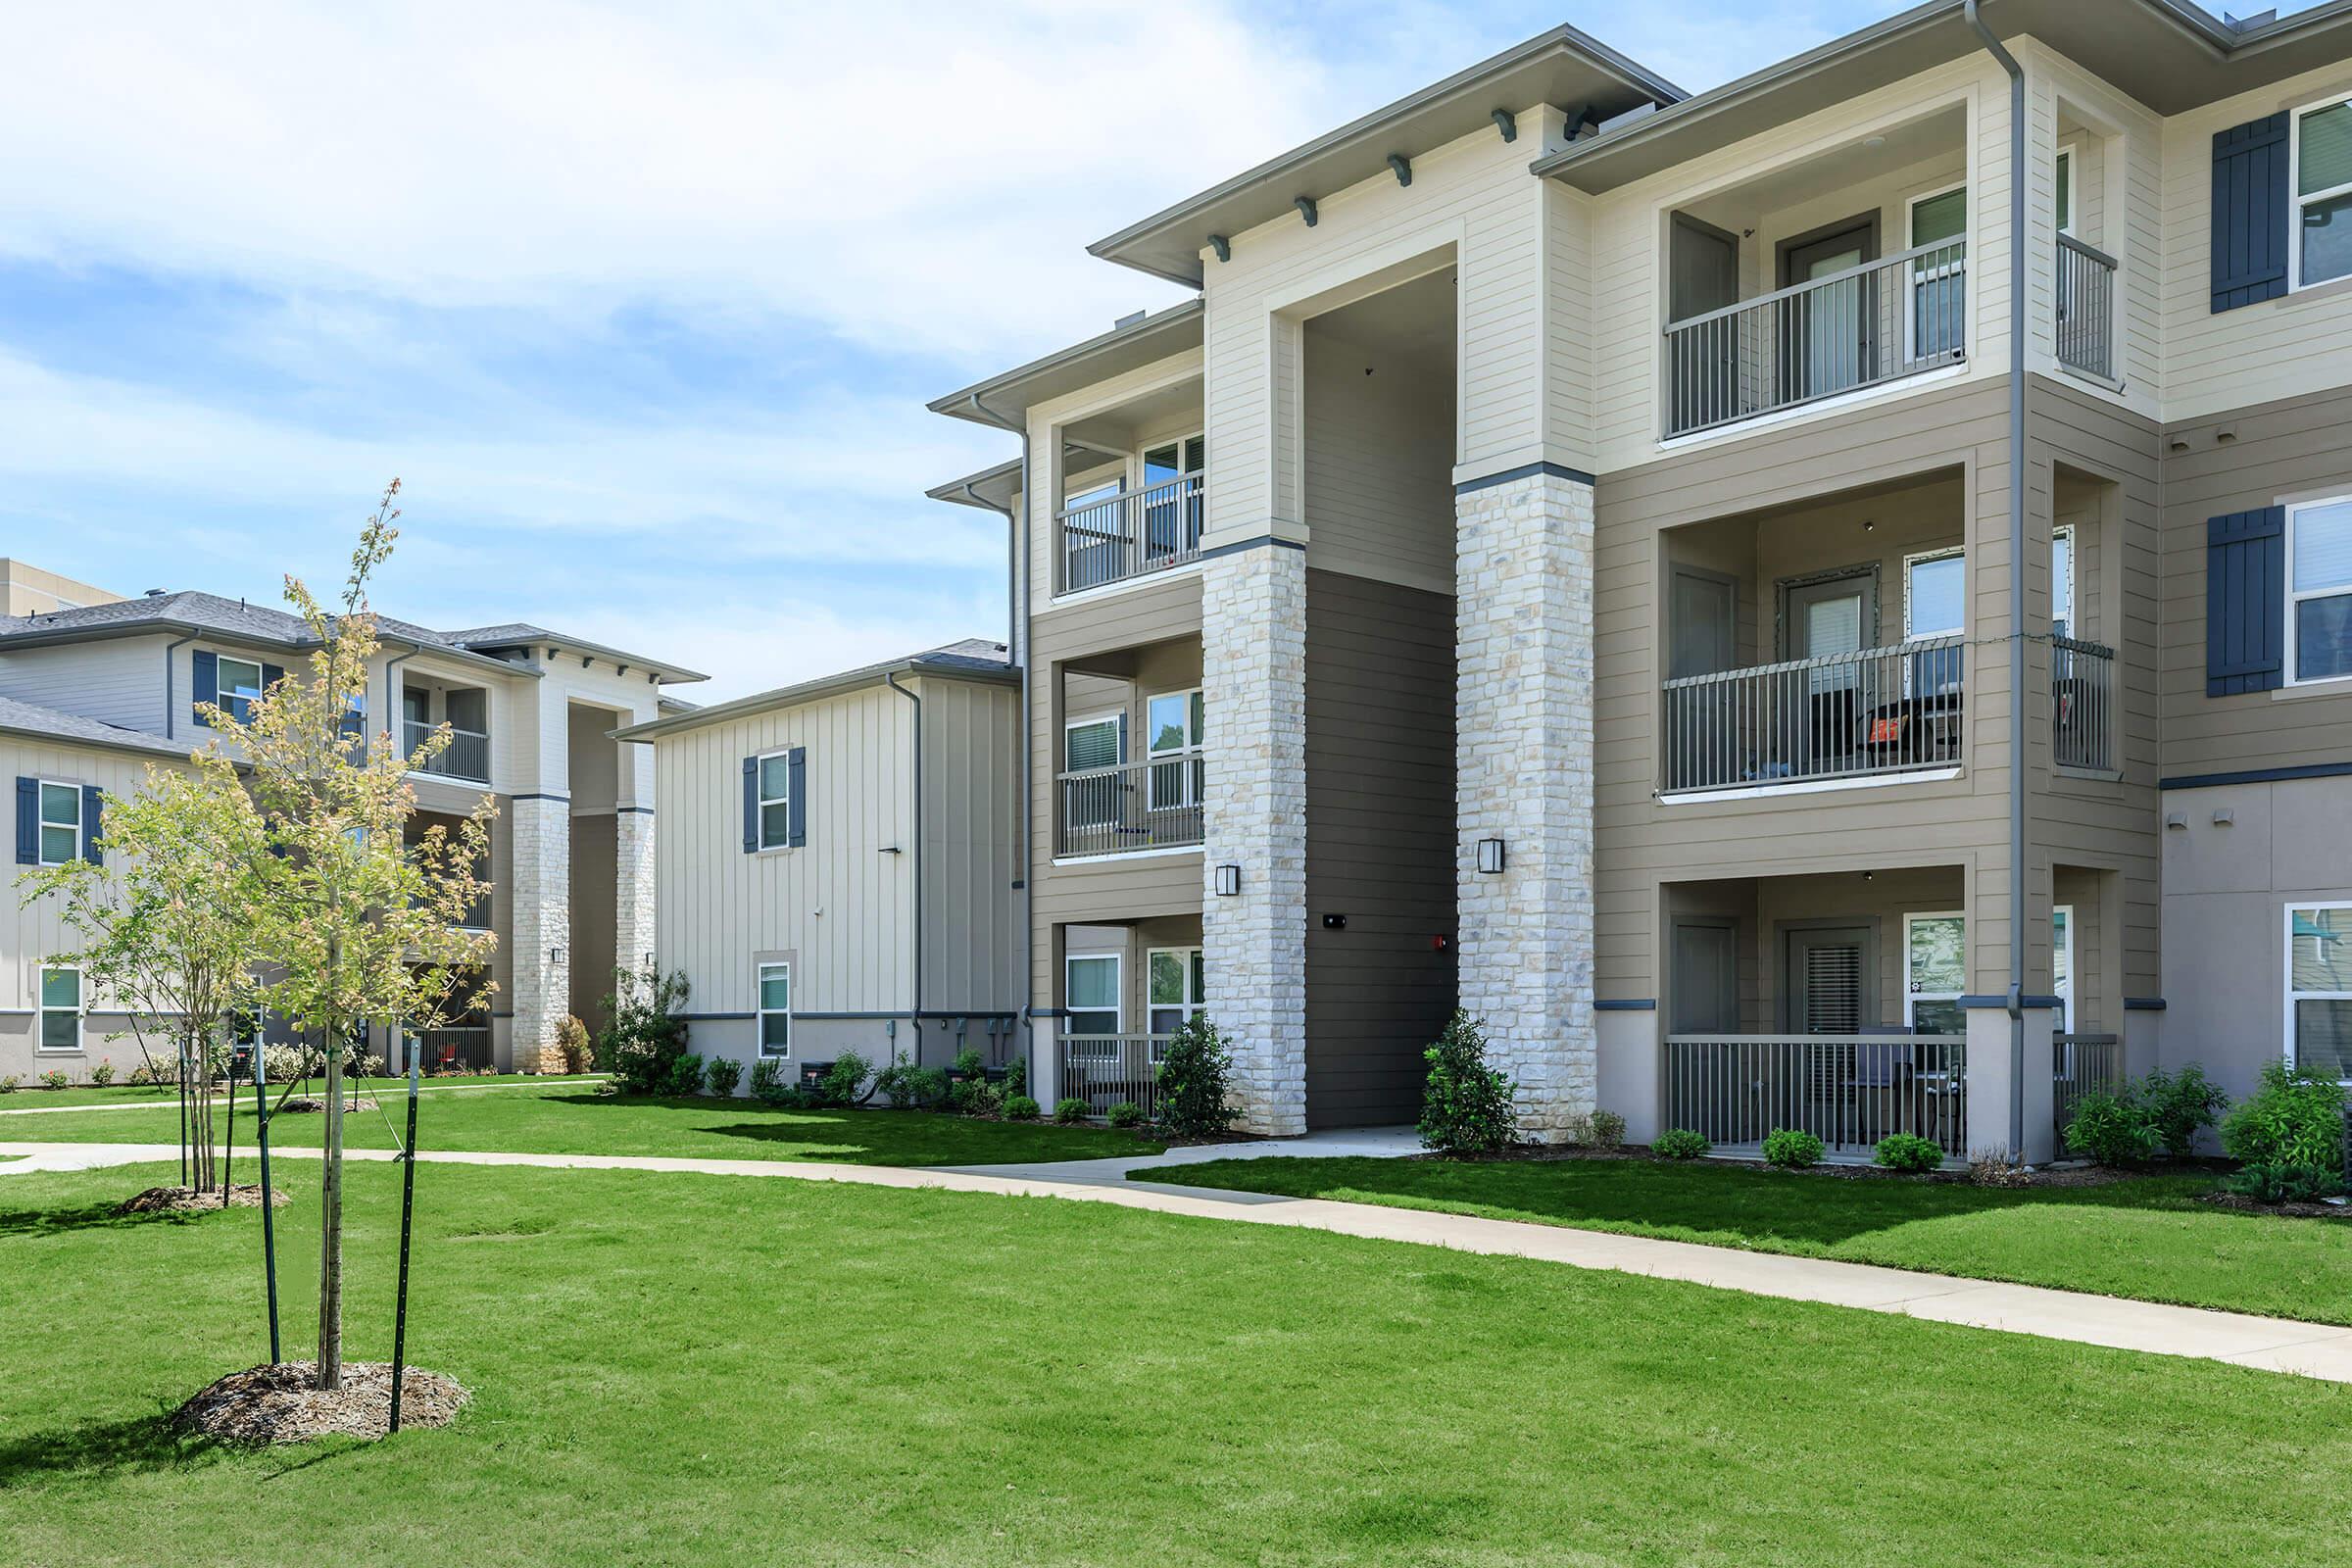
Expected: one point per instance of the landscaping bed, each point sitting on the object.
(189, 1201)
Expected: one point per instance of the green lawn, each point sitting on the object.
(29, 1095)
(571, 1120)
(2149, 1237)
(680, 1369)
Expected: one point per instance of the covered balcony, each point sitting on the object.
(426, 705)
(1131, 490)
(1840, 273)
(1126, 989)
(1131, 773)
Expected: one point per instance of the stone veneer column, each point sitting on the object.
(1254, 946)
(1523, 754)
(633, 897)
(541, 830)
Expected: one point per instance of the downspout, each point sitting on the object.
(170, 709)
(1016, 635)
(892, 681)
(2017, 577)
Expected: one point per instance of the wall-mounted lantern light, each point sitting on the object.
(1490, 857)
(1229, 881)
(555, 955)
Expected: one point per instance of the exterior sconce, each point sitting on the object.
(1490, 857)
(555, 955)
(1229, 881)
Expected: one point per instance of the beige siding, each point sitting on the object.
(971, 910)
(1379, 461)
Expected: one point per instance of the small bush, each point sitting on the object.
(1126, 1114)
(1791, 1148)
(103, 1074)
(980, 1099)
(1195, 1078)
(2284, 1184)
(1071, 1111)
(1908, 1152)
(908, 1087)
(8, 1083)
(770, 1078)
(2295, 1118)
(2179, 1105)
(1997, 1168)
(1680, 1143)
(572, 1044)
(154, 1074)
(1607, 1129)
(642, 1043)
(1021, 1107)
(685, 1076)
(2111, 1130)
(845, 1080)
(1016, 1077)
(723, 1074)
(1465, 1104)
(971, 1063)
(55, 1078)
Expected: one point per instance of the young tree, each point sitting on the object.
(365, 920)
(170, 916)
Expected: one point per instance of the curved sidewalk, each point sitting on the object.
(2275, 1345)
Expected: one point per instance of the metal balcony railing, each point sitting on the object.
(1869, 324)
(2082, 1064)
(1849, 1090)
(2082, 704)
(1151, 804)
(1122, 536)
(1104, 1070)
(468, 755)
(1878, 710)
(2086, 290)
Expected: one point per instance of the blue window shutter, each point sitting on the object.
(2251, 212)
(2245, 602)
(28, 821)
(207, 680)
(751, 805)
(93, 824)
(271, 675)
(796, 769)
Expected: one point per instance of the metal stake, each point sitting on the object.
(260, 1110)
(408, 1208)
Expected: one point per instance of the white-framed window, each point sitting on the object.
(61, 1007)
(2062, 580)
(1934, 605)
(775, 1009)
(775, 799)
(1172, 723)
(1090, 993)
(61, 826)
(1092, 746)
(2062, 181)
(1938, 280)
(2320, 175)
(1935, 971)
(1178, 985)
(2319, 588)
(2062, 964)
(2319, 987)
(239, 685)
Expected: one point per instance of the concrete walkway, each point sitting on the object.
(2275, 1344)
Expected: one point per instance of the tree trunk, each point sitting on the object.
(330, 1217)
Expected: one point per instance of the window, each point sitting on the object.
(2063, 177)
(61, 823)
(240, 686)
(2319, 987)
(1940, 278)
(1093, 747)
(60, 1008)
(2062, 581)
(1178, 989)
(2321, 157)
(1092, 982)
(775, 799)
(1935, 972)
(775, 1009)
(2319, 588)
(1172, 729)
(2062, 965)
(1934, 605)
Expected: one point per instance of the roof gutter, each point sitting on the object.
(2017, 578)
(1016, 649)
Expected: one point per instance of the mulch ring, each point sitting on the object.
(281, 1404)
(188, 1200)
(314, 1105)
(2255, 1205)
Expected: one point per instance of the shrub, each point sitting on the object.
(1607, 1129)
(8, 1083)
(1016, 1077)
(572, 1044)
(646, 1037)
(1679, 1142)
(723, 1074)
(970, 1064)
(103, 1074)
(2111, 1130)
(2180, 1105)
(1465, 1104)
(1194, 1075)
(2284, 1184)
(930, 1084)
(685, 1076)
(2295, 1118)
(770, 1077)
(1126, 1114)
(978, 1099)
(55, 1078)
(1071, 1111)
(155, 1073)
(1021, 1107)
(1997, 1168)
(908, 1087)
(1791, 1148)
(846, 1078)
(1908, 1152)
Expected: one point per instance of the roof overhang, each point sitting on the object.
(177, 627)
(2169, 55)
(1002, 401)
(992, 489)
(549, 643)
(811, 690)
(1563, 67)
(155, 748)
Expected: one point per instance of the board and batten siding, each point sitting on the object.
(971, 860)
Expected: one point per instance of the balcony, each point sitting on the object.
(467, 757)
(2085, 307)
(1106, 1070)
(1130, 806)
(1849, 1090)
(2082, 704)
(1878, 711)
(1109, 539)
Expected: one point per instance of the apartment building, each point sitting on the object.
(840, 872)
(1823, 602)
(90, 693)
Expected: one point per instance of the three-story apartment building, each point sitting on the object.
(1823, 602)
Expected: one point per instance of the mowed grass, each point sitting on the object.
(691, 1370)
(30, 1096)
(572, 1120)
(2147, 1237)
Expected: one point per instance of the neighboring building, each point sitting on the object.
(532, 713)
(839, 871)
(1565, 563)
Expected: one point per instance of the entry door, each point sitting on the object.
(1704, 278)
(1706, 978)
(1826, 619)
(1702, 621)
(1831, 330)
(1828, 990)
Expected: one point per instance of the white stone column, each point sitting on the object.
(541, 830)
(1254, 945)
(1523, 754)
(634, 934)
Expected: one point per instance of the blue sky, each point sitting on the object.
(641, 303)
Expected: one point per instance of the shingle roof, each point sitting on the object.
(30, 719)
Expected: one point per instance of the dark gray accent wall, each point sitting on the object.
(1380, 843)
(595, 895)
